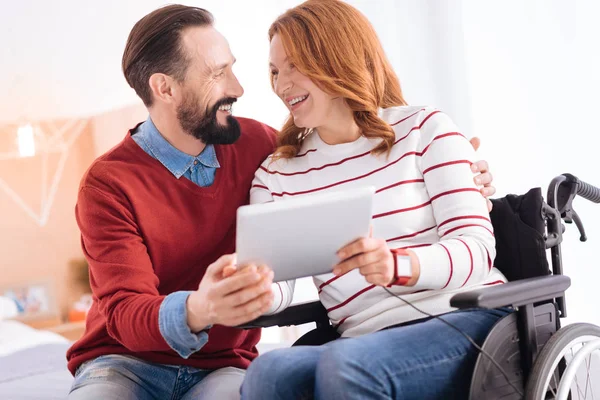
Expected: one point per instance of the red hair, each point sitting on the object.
(335, 45)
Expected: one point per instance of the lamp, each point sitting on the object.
(26, 142)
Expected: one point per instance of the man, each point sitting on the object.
(157, 220)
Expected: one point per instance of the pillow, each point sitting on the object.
(8, 308)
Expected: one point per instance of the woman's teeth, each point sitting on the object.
(297, 100)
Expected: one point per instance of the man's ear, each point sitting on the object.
(163, 87)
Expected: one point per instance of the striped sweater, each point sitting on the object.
(425, 201)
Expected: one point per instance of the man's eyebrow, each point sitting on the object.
(224, 65)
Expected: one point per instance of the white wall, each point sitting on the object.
(522, 75)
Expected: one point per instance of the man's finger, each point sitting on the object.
(245, 317)
(260, 304)
(475, 142)
(249, 293)
(490, 205)
(246, 277)
(229, 270)
(216, 269)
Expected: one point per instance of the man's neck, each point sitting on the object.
(171, 130)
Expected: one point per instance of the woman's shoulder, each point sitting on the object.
(405, 115)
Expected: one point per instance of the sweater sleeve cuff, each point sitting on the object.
(172, 322)
(434, 267)
(278, 299)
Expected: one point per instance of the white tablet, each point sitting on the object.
(299, 237)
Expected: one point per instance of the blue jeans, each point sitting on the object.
(425, 360)
(123, 377)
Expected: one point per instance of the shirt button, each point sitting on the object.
(195, 162)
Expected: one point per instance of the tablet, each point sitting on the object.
(299, 237)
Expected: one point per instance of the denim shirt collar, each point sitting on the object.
(176, 161)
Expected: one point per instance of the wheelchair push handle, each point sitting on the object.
(588, 191)
(562, 191)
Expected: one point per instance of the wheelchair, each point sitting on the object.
(539, 358)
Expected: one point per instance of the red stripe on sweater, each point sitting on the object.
(445, 135)
(400, 183)
(445, 165)
(348, 300)
(451, 266)
(489, 259)
(449, 231)
(493, 283)
(410, 153)
(342, 321)
(404, 119)
(344, 181)
(464, 217)
(427, 117)
(259, 187)
(410, 235)
(385, 214)
(330, 281)
(471, 257)
(415, 246)
(437, 196)
(305, 153)
(348, 158)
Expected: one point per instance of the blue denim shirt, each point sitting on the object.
(172, 315)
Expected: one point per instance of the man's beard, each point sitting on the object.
(205, 126)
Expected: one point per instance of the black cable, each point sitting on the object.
(465, 335)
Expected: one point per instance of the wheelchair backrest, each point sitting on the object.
(519, 229)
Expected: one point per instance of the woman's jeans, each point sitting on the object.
(426, 360)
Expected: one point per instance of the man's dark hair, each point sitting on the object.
(154, 46)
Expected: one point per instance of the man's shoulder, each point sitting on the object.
(256, 129)
(111, 166)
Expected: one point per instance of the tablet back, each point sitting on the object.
(299, 237)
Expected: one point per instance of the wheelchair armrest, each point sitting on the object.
(516, 293)
(297, 314)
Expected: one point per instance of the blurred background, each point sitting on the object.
(521, 75)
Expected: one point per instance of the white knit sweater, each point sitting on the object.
(426, 200)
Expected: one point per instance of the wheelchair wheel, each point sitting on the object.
(558, 355)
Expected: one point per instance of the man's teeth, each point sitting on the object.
(226, 107)
(297, 100)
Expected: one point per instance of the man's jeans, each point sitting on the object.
(425, 360)
(123, 377)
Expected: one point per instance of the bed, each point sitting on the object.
(32, 363)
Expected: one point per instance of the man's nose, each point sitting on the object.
(235, 89)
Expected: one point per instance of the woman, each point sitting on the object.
(349, 127)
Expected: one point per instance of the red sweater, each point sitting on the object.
(147, 234)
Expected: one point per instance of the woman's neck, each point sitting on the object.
(340, 128)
